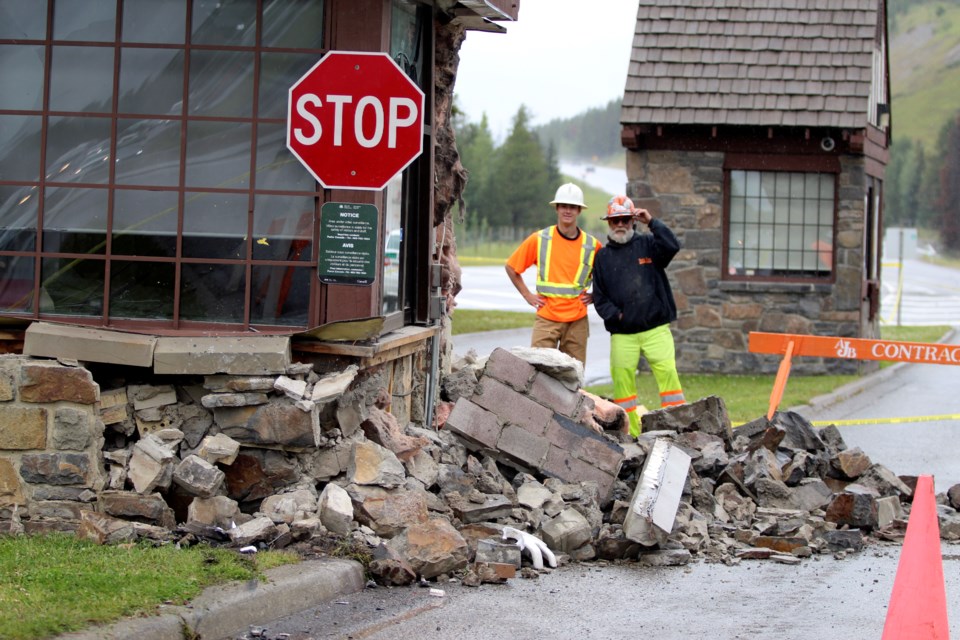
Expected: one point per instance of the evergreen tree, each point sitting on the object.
(914, 209)
(948, 200)
(476, 155)
(892, 189)
(520, 185)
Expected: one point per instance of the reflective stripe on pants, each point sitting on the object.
(656, 345)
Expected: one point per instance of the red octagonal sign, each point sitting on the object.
(355, 120)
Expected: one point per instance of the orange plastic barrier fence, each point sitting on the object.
(791, 344)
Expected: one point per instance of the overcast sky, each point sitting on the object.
(559, 59)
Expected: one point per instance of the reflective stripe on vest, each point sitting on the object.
(548, 288)
(628, 404)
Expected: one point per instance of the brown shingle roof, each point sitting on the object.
(756, 62)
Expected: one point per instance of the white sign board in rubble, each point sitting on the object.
(657, 496)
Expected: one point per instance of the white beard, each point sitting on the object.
(621, 238)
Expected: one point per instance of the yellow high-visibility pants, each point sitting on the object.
(656, 345)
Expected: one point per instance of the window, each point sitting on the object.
(144, 175)
(779, 224)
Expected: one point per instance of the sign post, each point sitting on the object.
(355, 120)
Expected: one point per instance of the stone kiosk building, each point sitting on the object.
(159, 248)
(759, 132)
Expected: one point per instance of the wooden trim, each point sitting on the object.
(756, 162)
(389, 347)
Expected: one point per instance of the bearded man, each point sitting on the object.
(632, 294)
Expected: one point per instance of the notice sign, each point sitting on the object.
(348, 243)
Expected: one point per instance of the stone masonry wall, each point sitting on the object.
(153, 448)
(715, 318)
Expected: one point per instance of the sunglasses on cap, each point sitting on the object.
(620, 220)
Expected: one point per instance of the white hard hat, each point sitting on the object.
(569, 193)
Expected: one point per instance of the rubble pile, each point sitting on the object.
(526, 466)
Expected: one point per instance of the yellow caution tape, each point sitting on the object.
(846, 423)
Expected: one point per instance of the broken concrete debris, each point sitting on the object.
(526, 471)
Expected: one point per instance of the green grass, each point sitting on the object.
(746, 397)
(476, 320)
(57, 583)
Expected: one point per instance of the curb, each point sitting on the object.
(227, 610)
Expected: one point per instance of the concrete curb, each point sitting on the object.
(229, 610)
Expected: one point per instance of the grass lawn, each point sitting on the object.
(53, 584)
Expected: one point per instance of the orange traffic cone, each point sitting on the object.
(918, 604)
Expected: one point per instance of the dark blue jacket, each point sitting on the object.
(630, 287)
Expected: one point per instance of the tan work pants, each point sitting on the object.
(569, 337)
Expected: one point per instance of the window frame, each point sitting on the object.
(768, 164)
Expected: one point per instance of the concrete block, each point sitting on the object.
(88, 345)
(510, 370)
(511, 406)
(522, 446)
(474, 423)
(561, 464)
(232, 355)
(552, 393)
(494, 551)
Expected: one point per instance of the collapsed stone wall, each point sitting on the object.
(302, 458)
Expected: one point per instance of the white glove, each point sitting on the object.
(536, 548)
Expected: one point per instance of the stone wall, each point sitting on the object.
(121, 442)
(715, 317)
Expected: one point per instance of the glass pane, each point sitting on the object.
(283, 227)
(20, 147)
(753, 183)
(751, 259)
(737, 235)
(783, 185)
(215, 226)
(16, 283)
(21, 76)
(766, 209)
(826, 187)
(81, 79)
(75, 220)
(752, 211)
(212, 292)
(738, 185)
(405, 37)
(145, 223)
(142, 290)
(277, 168)
(162, 21)
(796, 185)
(796, 211)
(768, 185)
(278, 71)
(795, 260)
(393, 246)
(232, 22)
(812, 185)
(221, 84)
(751, 237)
(297, 24)
(23, 19)
(151, 81)
(810, 212)
(71, 287)
(781, 235)
(148, 152)
(735, 261)
(780, 260)
(781, 210)
(78, 149)
(737, 206)
(825, 250)
(90, 20)
(796, 237)
(280, 295)
(218, 155)
(826, 212)
(18, 218)
(766, 236)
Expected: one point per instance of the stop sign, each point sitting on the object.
(355, 120)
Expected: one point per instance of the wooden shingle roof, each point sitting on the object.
(804, 63)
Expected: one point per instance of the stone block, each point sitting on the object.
(71, 429)
(566, 532)
(851, 463)
(475, 424)
(45, 382)
(431, 548)
(523, 446)
(88, 345)
(511, 406)
(561, 464)
(104, 529)
(152, 396)
(372, 464)
(492, 508)
(23, 428)
(335, 509)
(11, 492)
(494, 551)
(510, 370)
(55, 468)
(552, 393)
(218, 511)
(234, 355)
(219, 448)
(198, 477)
(238, 384)
(856, 507)
(388, 512)
(494, 572)
(279, 423)
(113, 406)
(288, 507)
(131, 505)
(888, 510)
